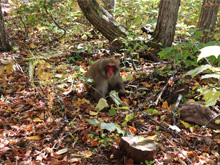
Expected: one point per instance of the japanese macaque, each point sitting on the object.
(106, 77)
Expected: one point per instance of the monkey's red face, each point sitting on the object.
(110, 70)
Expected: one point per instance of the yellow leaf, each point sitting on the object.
(162, 68)
(8, 68)
(37, 138)
(86, 154)
(191, 100)
(92, 113)
(101, 104)
(186, 125)
(217, 121)
(81, 101)
(194, 87)
(32, 46)
(2, 70)
(154, 137)
(37, 120)
(165, 105)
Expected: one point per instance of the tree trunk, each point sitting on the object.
(102, 20)
(166, 22)
(208, 18)
(4, 40)
(109, 5)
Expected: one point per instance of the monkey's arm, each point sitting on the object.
(117, 84)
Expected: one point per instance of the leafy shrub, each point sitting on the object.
(211, 94)
(185, 54)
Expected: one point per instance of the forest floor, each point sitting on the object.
(47, 117)
(41, 124)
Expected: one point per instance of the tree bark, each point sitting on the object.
(208, 18)
(109, 5)
(102, 20)
(4, 40)
(166, 22)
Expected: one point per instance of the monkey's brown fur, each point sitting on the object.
(101, 81)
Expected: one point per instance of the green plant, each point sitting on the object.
(152, 111)
(164, 73)
(148, 162)
(185, 54)
(107, 126)
(210, 95)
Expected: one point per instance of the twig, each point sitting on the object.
(25, 28)
(164, 88)
(175, 108)
(133, 64)
(64, 30)
(177, 148)
(209, 122)
(163, 128)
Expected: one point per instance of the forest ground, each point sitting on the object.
(46, 120)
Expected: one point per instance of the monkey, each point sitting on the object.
(106, 77)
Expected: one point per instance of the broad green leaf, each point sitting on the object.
(211, 97)
(198, 70)
(152, 111)
(115, 98)
(94, 122)
(128, 118)
(108, 126)
(101, 104)
(217, 76)
(209, 51)
(112, 127)
(112, 112)
(119, 130)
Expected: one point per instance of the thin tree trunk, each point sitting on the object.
(166, 22)
(102, 20)
(4, 40)
(208, 18)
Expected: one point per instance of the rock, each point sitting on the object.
(138, 148)
(196, 113)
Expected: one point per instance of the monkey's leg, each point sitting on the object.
(101, 89)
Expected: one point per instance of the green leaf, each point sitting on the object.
(108, 126)
(119, 130)
(112, 112)
(124, 108)
(115, 98)
(209, 51)
(101, 104)
(152, 111)
(198, 70)
(128, 118)
(112, 127)
(94, 122)
(211, 97)
(217, 76)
